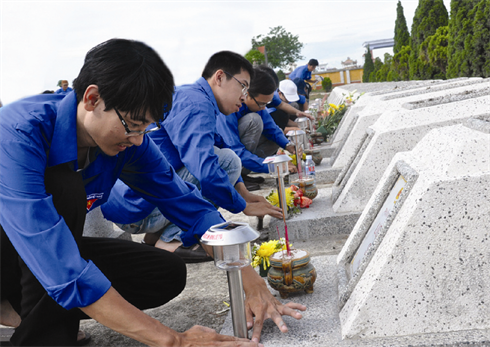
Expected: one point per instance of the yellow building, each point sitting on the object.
(340, 77)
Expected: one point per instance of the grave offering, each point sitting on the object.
(291, 273)
(418, 258)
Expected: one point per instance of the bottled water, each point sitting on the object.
(310, 168)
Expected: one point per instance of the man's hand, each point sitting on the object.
(304, 114)
(290, 149)
(202, 336)
(261, 209)
(262, 305)
(257, 205)
(292, 169)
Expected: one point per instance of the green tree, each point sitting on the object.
(255, 57)
(378, 64)
(282, 48)
(433, 51)
(400, 66)
(469, 39)
(368, 65)
(429, 15)
(402, 36)
(384, 70)
(327, 84)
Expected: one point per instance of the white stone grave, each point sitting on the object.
(397, 131)
(418, 258)
(369, 108)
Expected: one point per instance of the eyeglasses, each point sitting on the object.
(261, 104)
(135, 132)
(244, 87)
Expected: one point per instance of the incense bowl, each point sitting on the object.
(291, 274)
(315, 155)
(308, 187)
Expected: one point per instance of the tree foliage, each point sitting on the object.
(255, 57)
(402, 36)
(400, 64)
(469, 39)
(429, 15)
(368, 65)
(433, 51)
(327, 84)
(282, 47)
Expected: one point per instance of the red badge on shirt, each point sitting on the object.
(92, 198)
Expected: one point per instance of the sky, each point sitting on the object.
(42, 42)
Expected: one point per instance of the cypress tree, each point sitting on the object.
(469, 39)
(368, 65)
(402, 36)
(429, 15)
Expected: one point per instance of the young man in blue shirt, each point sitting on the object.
(191, 143)
(60, 157)
(64, 88)
(251, 132)
(304, 71)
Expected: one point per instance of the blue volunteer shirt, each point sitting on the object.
(228, 128)
(301, 72)
(188, 137)
(40, 132)
(276, 101)
(61, 91)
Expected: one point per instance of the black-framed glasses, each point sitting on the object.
(135, 132)
(244, 87)
(261, 104)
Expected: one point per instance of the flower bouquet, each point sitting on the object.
(262, 253)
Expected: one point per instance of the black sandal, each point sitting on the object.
(193, 254)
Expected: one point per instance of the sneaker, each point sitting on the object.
(251, 186)
(258, 179)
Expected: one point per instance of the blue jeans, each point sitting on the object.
(156, 221)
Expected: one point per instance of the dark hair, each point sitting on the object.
(130, 75)
(313, 62)
(230, 62)
(263, 82)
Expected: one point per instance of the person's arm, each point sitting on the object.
(292, 111)
(191, 130)
(228, 129)
(151, 181)
(257, 205)
(272, 131)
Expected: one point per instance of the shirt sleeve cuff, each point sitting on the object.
(194, 234)
(89, 287)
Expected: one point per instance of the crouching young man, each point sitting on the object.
(60, 156)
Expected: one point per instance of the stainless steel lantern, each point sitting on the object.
(278, 168)
(231, 248)
(304, 124)
(297, 138)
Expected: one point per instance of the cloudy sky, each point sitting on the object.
(42, 42)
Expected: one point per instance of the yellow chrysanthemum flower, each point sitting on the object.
(273, 198)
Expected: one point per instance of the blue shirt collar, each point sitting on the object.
(209, 93)
(64, 142)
